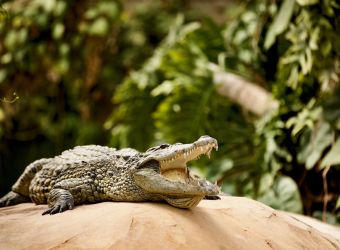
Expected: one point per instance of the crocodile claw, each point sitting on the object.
(59, 208)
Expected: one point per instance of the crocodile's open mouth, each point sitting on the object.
(175, 168)
(173, 159)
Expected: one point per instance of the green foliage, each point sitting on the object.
(242, 37)
(298, 49)
(307, 76)
(81, 51)
(281, 193)
(43, 44)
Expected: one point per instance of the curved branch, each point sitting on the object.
(248, 95)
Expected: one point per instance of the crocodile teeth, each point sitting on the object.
(208, 153)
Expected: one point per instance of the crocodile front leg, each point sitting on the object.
(59, 200)
(152, 182)
(66, 193)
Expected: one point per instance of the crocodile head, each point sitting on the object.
(173, 159)
(163, 170)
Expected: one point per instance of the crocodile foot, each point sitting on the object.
(59, 200)
(12, 198)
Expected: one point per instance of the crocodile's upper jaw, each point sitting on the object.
(185, 153)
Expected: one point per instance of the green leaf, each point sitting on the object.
(313, 144)
(314, 39)
(10, 40)
(6, 58)
(333, 156)
(306, 61)
(48, 5)
(331, 111)
(280, 23)
(58, 30)
(326, 47)
(99, 27)
(240, 36)
(165, 88)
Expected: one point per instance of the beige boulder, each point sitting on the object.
(230, 223)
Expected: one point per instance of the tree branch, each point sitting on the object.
(248, 95)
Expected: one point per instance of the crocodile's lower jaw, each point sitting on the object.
(183, 202)
(180, 175)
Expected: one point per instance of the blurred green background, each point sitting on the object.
(138, 73)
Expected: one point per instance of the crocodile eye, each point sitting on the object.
(162, 146)
(153, 164)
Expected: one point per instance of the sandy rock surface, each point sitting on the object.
(230, 223)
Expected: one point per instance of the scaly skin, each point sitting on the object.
(88, 174)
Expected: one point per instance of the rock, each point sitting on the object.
(230, 223)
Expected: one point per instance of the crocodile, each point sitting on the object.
(92, 173)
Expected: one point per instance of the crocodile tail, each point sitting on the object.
(21, 186)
